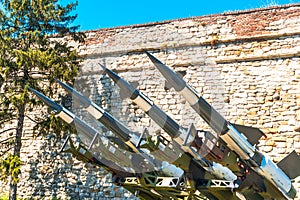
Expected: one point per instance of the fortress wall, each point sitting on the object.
(245, 63)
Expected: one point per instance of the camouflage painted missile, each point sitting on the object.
(240, 139)
(99, 144)
(179, 134)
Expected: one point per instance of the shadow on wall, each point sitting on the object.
(55, 175)
(48, 173)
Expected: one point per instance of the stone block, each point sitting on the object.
(264, 85)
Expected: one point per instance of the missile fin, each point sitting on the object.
(135, 84)
(168, 85)
(175, 80)
(250, 194)
(181, 74)
(255, 181)
(118, 142)
(253, 134)
(79, 97)
(67, 145)
(290, 165)
(124, 93)
(141, 138)
(192, 130)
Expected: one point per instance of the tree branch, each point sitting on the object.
(5, 140)
(32, 119)
(7, 150)
(2, 121)
(7, 130)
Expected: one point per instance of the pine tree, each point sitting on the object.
(33, 52)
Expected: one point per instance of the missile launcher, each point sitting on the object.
(238, 138)
(99, 150)
(190, 163)
(185, 138)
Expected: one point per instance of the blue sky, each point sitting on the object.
(95, 14)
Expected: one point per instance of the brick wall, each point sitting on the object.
(245, 63)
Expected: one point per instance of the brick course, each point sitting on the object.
(245, 63)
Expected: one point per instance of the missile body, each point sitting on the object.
(234, 139)
(98, 145)
(124, 133)
(180, 135)
(117, 171)
(119, 162)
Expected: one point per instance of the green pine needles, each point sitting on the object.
(10, 166)
(34, 50)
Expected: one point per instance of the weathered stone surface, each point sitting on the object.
(246, 64)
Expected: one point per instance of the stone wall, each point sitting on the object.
(245, 63)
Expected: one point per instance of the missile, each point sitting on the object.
(91, 154)
(160, 117)
(130, 161)
(180, 135)
(102, 116)
(123, 132)
(240, 139)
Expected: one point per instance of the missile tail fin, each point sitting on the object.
(67, 145)
(124, 93)
(144, 134)
(169, 85)
(253, 134)
(191, 131)
(255, 181)
(290, 165)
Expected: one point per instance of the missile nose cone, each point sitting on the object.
(126, 89)
(65, 86)
(172, 78)
(153, 59)
(85, 102)
(54, 106)
(111, 74)
(103, 67)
